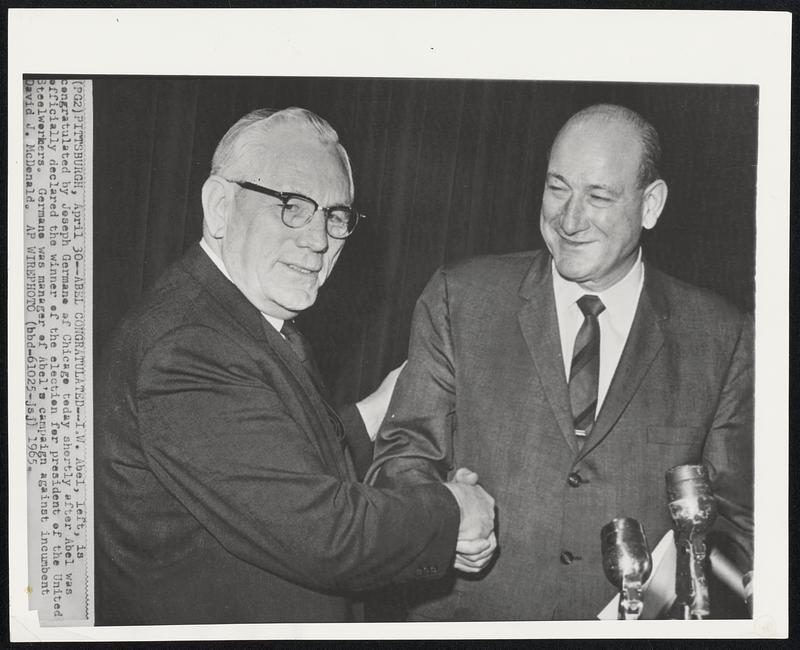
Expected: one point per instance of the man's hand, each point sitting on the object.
(373, 407)
(473, 554)
(475, 504)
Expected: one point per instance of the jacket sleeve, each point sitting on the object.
(728, 453)
(217, 432)
(414, 444)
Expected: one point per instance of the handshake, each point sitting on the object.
(476, 537)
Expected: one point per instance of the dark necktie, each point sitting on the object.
(302, 348)
(585, 369)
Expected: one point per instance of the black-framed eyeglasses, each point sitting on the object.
(297, 210)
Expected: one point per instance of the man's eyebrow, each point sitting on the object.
(558, 177)
(611, 189)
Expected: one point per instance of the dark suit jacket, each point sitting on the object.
(485, 388)
(222, 491)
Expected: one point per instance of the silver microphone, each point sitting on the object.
(693, 509)
(626, 562)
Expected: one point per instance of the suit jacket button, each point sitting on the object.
(566, 557)
(574, 479)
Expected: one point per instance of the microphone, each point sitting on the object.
(626, 563)
(693, 509)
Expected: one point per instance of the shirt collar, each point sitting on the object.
(277, 323)
(621, 296)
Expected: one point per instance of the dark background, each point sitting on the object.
(444, 169)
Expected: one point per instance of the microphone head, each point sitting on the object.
(626, 555)
(691, 501)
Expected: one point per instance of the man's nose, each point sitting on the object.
(573, 218)
(314, 234)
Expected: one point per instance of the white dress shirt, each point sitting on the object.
(277, 323)
(615, 321)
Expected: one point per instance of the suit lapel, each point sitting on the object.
(241, 311)
(539, 324)
(321, 429)
(245, 316)
(643, 344)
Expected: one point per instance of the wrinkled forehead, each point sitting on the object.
(598, 145)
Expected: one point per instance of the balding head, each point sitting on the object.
(640, 128)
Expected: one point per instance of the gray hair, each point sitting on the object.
(646, 132)
(237, 152)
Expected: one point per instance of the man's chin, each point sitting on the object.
(297, 301)
(570, 271)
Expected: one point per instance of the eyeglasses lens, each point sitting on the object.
(297, 212)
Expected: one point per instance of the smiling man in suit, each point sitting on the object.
(225, 483)
(570, 380)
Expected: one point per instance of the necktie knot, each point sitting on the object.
(591, 305)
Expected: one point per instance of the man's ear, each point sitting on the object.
(217, 205)
(655, 196)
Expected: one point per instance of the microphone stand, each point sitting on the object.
(627, 563)
(693, 510)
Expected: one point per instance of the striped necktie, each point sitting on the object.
(585, 369)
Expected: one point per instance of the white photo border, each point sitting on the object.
(728, 47)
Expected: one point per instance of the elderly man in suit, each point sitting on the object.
(225, 484)
(570, 380)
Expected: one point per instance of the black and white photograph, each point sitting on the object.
(413, 349)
